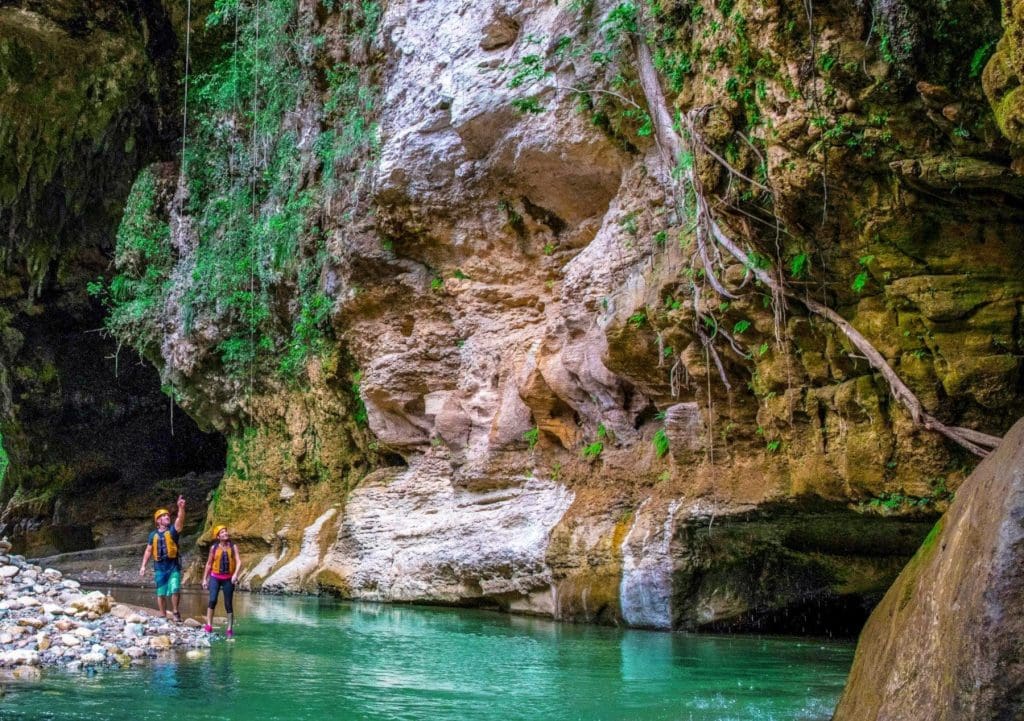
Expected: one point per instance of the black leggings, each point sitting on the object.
(228, 587)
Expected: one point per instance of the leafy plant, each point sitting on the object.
(532, 437)
(661, 443)
(528, 106)
(249, 200)
(360, 414)
(798, 265)
(638, 319)
(861, 279)
(980, 58)
(593, 450)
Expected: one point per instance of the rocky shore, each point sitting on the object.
(48, 620)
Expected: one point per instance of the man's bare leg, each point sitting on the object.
(161, 605)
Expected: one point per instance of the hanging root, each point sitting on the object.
(708, 232)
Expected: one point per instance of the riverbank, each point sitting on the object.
(49, 620)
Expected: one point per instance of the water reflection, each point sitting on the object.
(319, 659)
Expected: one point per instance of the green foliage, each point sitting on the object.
(528, 106)
(360, 415)
(5, 461)
(674, 65)
(861, 279)
(526, 71)
(660, 441)
(136, 296)
(798, 265)
(741, 326)
(593, 450)
(773, 446)
(980, 58)
(250, 204)
(622, 20)
(895, 501)
(308, 334)
(638, 319)
(532, 437)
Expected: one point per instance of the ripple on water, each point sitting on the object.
(310, 659)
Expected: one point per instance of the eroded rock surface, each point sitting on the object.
(944, 643)
(465, 361)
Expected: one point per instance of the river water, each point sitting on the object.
(310, 658)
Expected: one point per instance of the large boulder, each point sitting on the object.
(946, 642)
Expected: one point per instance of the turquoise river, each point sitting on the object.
(310, 658)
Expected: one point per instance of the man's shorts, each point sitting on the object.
(168, 582)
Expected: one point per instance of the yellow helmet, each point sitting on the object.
(160, 512)
(217, 530)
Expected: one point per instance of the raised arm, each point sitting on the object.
(179, 522)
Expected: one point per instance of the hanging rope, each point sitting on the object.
(253, 158)
(184, 111)
(184, 142)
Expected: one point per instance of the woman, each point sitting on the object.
(222, 569)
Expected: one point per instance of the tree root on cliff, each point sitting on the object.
(710, 237)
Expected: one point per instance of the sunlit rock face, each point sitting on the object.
(514, 406)
(412, 536)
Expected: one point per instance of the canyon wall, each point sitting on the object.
(422, 264)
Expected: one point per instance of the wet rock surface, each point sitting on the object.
(944, 644)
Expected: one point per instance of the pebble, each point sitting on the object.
(48, 620)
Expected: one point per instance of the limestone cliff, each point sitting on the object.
(420, 262)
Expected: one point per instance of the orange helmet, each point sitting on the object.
(160, 512)
(217, 530)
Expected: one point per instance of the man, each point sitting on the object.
(163, 548)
